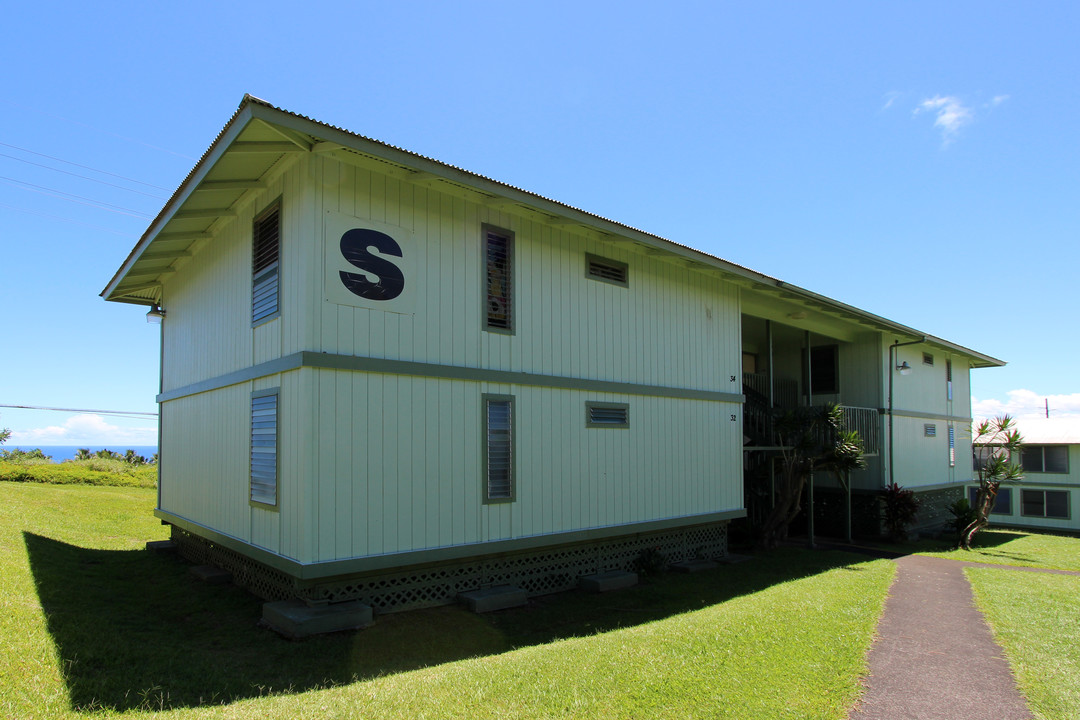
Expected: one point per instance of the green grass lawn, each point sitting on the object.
(1011, 547)
(1036, 618)
(90, 622)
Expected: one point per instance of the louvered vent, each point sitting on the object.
(929, 430)
(264, 422)
(500, 450)
(607, 415)
(265, 242)
(611, 271)
(499, 257)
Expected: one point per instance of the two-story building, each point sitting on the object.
(387, 378)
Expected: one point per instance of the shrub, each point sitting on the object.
(651, 562)
(901, 508)
(963, 515)
(77, 472)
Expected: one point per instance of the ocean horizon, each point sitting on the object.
(60, 453)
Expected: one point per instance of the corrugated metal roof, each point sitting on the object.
(320, 131)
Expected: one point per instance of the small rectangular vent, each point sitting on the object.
(611, 415)
(929, 430)
(927, 359)
(605, 270)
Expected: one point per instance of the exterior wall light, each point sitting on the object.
(155, 315)
(903, 367)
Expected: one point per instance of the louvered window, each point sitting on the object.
(952, 446)
(948, 379)
(929, 430)
(499, 274)
(610, 415)
(264, 434)
(610, 271)
(498, 449)
(266, 244)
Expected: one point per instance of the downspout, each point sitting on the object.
(772, 406)
(892, 371)
(809, 404)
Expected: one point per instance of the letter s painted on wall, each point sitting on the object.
(355, 246)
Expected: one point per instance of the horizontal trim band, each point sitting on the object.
(925, 415)
(354, 566)
(327, 361)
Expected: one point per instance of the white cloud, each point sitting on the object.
(86, 429)
(1029, 408)
(890, 98)
(950, 114)
(998, 99)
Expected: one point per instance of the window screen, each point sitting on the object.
(498, 260)
(265, 245)
(499, 448)
(264, 467)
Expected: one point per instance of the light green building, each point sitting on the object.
(1048, 497)
(387, 378)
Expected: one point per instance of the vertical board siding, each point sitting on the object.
(399, 465)
(206, 478)
(208, 332)
(672, 326)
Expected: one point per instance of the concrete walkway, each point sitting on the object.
(934, 657)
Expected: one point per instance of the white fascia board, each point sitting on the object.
(205, 164)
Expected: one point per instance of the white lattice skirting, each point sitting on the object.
(537, 572)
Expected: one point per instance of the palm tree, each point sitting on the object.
(998, 441)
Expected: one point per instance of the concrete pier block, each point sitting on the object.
(294, 619)
(690, 566)
(608, 581)
(493, 598)
(211, 575)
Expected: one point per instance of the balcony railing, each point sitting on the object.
(865, 422)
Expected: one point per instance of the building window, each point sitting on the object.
(952, 446)
(605, 270)
(1002, 503)
(927, 359)
(265, 252)
(948, 379)
(824, 370)
(499, 280)
(929, 430)
(264, 444)
(607, 415)
(1045, 503)
(499, 481)
(1045, 459)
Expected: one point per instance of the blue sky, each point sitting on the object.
(917, 160)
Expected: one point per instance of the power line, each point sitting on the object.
(84, 177)
(118, 413)
(68, 220)
(86, 167)
(79, 199)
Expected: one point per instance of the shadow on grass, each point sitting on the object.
(133, 631)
